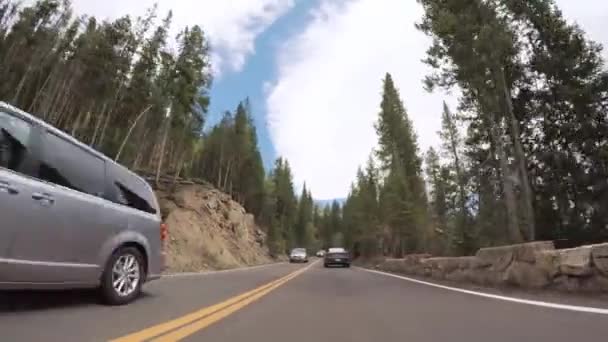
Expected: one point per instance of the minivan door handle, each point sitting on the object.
(43, 198)
(11, 190)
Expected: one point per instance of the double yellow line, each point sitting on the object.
(189, 324)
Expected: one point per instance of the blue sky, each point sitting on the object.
(229, 89)
(313, 71)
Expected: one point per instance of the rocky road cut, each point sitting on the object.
(305, 302)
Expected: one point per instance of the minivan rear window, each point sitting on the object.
(131, 199)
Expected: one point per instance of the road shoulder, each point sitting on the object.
(598, 301)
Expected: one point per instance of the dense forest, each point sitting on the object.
(129, 89)
(118, 86)
(523, 157)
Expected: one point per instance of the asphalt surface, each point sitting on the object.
(314, 304)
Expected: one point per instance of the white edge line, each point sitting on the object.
(194, 274)
(504, 298)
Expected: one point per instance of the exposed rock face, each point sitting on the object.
(208, 230)
(530, 265)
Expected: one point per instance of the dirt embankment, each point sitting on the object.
(208, 230)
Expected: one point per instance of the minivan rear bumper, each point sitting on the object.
(162, 268)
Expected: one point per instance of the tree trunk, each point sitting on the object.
(145, 146)
(87, 119)
(49, 99)
(59, 100)
(63, 109)
(521, 162)
(76, 124)
(459, 175)
(228, 170)
(98, 124)
(183, 151)
(21, 84)
(510, 201)
(154, 155)
(219, 169)
(41, 91)
(191, 162)
(104, 129)
(180, 164)
(124, 142)
(162, 150)
(117, 98)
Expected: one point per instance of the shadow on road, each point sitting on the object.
(24, 301)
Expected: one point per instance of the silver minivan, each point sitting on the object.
(70, 217)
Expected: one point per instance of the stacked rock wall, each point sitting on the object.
(533, 265)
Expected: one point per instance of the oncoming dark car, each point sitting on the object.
(337, 257)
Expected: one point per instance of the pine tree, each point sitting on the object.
(404, 198)
(231, 159)
(335, 226)
(436, 176)
(451, 148)
(474, 48)
(286, 205)
(304, 218)
(532, 94)
(361, 214)
(563, 97)
(326, 227)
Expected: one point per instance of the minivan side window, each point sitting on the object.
(14, 143)
(66, 164)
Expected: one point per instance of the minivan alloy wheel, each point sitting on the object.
(125, 275)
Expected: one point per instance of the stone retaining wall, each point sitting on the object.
(534, 265)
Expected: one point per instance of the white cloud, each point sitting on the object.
(327, 96)
(322, 107)
(232, 25)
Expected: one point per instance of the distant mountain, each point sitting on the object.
(323, 203)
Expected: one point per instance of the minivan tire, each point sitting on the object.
(109, 295)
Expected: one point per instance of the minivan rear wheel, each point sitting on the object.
(123, 276)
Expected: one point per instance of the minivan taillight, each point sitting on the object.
(164, 232)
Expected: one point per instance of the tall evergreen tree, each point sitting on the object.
(476, 49)
(403, 194)
(534, 97)
(561, 104)
(303, 225)
(438, 178)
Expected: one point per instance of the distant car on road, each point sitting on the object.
(71, 217)
(337, 256)
(321, 253)
(298, 255)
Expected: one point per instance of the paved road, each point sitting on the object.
(291, 303)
